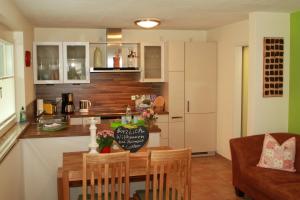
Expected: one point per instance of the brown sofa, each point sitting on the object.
(259, 183)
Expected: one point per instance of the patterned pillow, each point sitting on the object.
(276, 156)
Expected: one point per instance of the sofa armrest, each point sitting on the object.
(245, 152)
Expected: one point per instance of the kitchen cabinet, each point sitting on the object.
(152, 62)
(61, 62)
(11, 173)
(200, 77)
(175, 64)
(76, 62)
(176, 96)
(163, 123)
(175, 56)
(47, 63)
(200, 96)
(176, 109)
(200, 132)
(176, 134)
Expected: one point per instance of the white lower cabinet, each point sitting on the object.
(83, 120)
(200, 132)
(163, 123)
(176, 134)
(11, 175)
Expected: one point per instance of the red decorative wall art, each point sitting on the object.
(27, 58)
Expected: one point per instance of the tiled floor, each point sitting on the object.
(211, 179)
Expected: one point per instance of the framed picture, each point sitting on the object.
(273, 62)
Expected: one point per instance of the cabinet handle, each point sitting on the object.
(177, 117)
(188, 106)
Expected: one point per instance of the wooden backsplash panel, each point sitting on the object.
(107, 91)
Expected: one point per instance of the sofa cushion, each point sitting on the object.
(274, 184)
(276, 156)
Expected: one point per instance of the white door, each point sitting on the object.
(200, 77)
(76, 62)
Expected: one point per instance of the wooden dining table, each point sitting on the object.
(71, 171)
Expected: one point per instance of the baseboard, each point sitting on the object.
(205, 153)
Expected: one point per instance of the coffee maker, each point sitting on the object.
(67, 104)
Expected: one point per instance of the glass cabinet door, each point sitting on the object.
(76, 62)
(48, 63)
(152, 62)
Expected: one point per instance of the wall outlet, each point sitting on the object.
(132, 97)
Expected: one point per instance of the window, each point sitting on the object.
(7, 87)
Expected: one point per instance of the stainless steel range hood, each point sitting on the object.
(114, 35)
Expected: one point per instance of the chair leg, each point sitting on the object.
(238, 192)
(135, 197)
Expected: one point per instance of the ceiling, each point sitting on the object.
(175, 14)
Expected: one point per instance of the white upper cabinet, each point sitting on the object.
(76, 62)
(152, 62)
(61, 62)
(175, 56)
(200, 77)
(47, 63)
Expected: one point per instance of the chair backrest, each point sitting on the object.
(111, 166)
(171, 171)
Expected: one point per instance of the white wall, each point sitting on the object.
(228, 38)
(13, 20)
(267, 114)
(99, 35)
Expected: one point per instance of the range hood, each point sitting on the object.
(114, 35)
(115, 55)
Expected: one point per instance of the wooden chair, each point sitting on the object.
(111, 167)
(171, 171)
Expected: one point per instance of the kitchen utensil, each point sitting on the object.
(67, 100)
(159, 104)
(69, 108)
(49, 107)
(40, 106)
(84, 105)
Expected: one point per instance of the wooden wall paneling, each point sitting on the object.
(107, 91)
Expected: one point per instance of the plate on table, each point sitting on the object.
(53, 127)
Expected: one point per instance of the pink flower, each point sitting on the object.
(105, 134)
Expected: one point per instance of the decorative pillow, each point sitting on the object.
(276, 156)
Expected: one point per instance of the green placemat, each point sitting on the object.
(116, 124)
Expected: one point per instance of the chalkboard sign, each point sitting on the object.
(131, 139)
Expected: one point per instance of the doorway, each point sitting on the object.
(245, 81)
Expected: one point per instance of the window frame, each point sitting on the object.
(11, 120)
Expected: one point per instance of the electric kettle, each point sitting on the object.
(84, 105)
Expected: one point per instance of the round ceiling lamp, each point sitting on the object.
(147, 22)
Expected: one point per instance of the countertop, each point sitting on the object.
(72, 130)
(106, 114)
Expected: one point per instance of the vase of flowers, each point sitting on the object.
(149, 116)
(105, 139)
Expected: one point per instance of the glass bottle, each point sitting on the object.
(116, 60)
(22, 115)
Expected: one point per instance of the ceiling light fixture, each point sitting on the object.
(147, 22)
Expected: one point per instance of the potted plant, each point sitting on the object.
(105, 139)
(149, 116)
